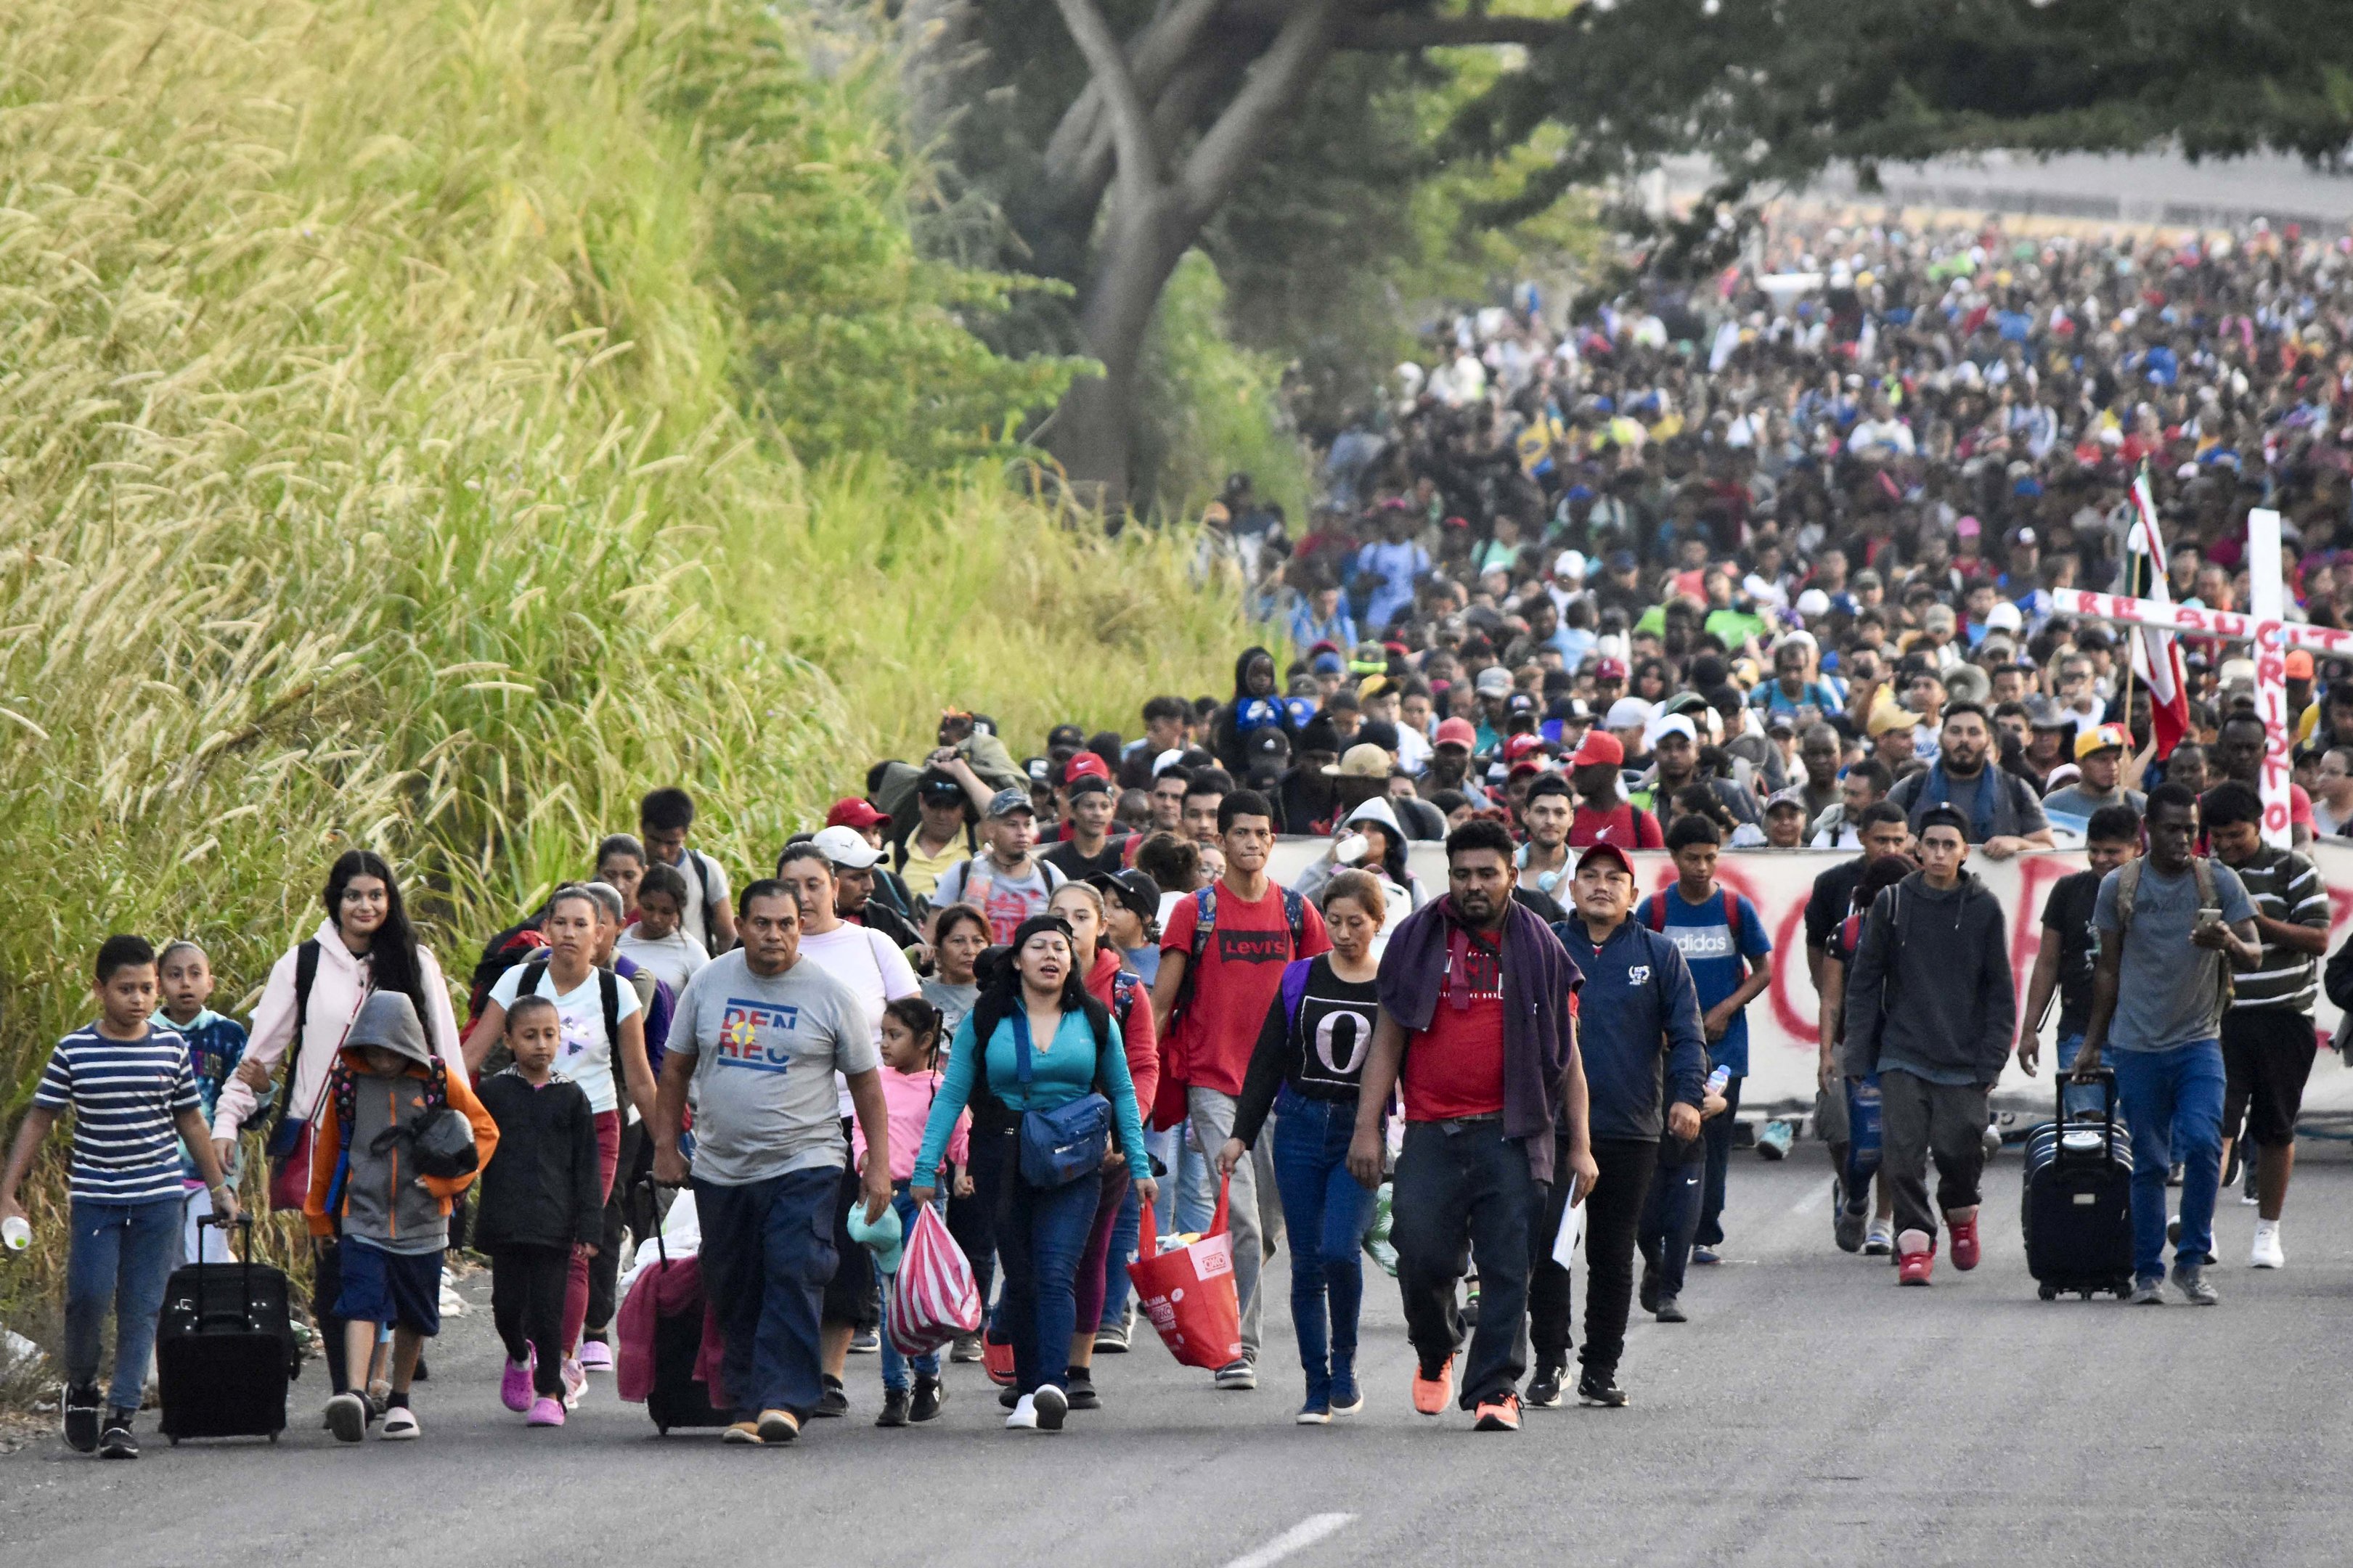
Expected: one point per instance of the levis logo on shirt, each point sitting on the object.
(1254, 946)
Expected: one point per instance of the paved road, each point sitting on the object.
(1810, 1413)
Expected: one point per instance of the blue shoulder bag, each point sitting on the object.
(1062, 1145)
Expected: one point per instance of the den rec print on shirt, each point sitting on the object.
(755, 1035)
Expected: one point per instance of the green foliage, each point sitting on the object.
(1212, 407)
(382, 461)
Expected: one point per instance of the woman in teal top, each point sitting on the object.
(1042, 1232)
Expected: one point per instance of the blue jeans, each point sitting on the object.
(1716, 1132)
(2173, 1106)
(1326, 1212)
(2079, 1099)
(1041, 1234)
(1125, 1231)
(122, 1256)
(767, 1252)
(1189, 1197)
(894, 1366)
(1458, 1182)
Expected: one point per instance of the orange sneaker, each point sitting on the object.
(1965, 1244)
(1432, 1394)
(1499, 1414)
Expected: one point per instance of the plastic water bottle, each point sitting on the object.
(1718, 1080)
(17, 1233)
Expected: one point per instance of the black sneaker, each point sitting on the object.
(116, 1442)
(895, 1408)
(1601, 1389)
(1080, 1387)
(1544, 1388)
(1008, 1398)
(835, 1400)
(82, 1408)
(1648, 1291)
(865, 1341)
(1669, 1312)
(929, 1396)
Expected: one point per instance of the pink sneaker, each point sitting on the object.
(596, 1355)
(575, 1384)
(514, 1386)
(545, 1412)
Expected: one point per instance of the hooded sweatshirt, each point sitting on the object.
(1930, 990)
(1246, 713)
(363, 1182)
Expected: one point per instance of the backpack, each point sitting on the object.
(2202, 871)
(1205, 925)
(501, 953)
(1654, 914)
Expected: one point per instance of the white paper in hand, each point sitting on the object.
(1572, 1227)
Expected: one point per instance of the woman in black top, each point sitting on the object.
(1308, 1063)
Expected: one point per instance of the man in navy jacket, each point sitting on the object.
(1637, 1008)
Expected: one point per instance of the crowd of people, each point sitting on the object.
(1765, 565)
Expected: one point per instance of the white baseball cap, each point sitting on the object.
(846, 846)
(1627, 714)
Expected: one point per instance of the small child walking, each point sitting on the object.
(130, 1087)
(541, 1202)
(368, 1185)
(215, 1044)
(911, 1051)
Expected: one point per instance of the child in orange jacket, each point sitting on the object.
(383, 1181)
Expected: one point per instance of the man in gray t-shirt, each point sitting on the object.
(2156, 997)
(759, 1035)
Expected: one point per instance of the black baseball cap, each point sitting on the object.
(1132, 888)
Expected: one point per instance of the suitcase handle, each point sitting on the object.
(2105, 1078)
(245, 1302)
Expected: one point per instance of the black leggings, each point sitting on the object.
(527, 1286)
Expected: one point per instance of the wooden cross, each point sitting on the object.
(2263, 627)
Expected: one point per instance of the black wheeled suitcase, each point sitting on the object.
(225, 1348)
(2077, 1201)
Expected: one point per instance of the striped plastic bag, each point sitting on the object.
(932, 1297)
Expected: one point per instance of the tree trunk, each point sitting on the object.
(1092, 430)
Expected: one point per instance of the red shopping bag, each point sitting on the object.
(932, 1297)
(1189, 1293)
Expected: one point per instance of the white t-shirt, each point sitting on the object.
(871, 966)
(586, 1057)
(673, 959)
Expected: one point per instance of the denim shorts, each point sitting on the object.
(380, 1287)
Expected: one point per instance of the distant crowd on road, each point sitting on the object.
(1764, 566)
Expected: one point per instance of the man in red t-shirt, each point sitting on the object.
(1210, 1006)
(1603, 816)
(2239, 753)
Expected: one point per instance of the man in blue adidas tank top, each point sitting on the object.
(1723, 939)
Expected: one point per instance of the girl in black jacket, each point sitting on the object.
(541, 1201)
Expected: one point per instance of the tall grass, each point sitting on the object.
(419, 427)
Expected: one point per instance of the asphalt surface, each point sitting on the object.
(1810, 1412)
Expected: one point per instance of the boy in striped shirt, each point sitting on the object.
(133, 1097)
(2268, 1044)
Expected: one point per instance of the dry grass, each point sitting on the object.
(379, 465)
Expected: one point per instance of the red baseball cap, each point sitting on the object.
(1520, 746)
(1599, 747)
(853, 812)
(1610, 669)
(1084, 764)
(1458, 732)
(1605, 852)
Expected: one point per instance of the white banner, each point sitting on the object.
(1782, 1033)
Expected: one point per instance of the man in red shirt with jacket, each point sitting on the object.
(1477, 1024)
(1221, 960)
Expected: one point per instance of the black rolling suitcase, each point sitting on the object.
(2077, 1201)
(225, 1348)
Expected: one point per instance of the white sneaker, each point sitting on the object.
(1879, 1241)
(1025, 1414)
(2267, 1253)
